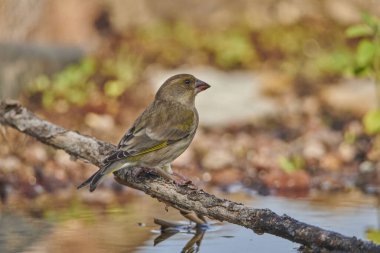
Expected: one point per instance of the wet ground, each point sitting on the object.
(130, 228)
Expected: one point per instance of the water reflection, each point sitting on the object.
(168, 229)
(18, 232)
(130, 227)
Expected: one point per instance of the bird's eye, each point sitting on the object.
(187, 81)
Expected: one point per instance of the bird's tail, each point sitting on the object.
(93, 181)
(96, 180)
(88, 180)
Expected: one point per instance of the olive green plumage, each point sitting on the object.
(160, 134)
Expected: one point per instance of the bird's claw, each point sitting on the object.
(143, 172)
(181, 180)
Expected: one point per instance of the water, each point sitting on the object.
(130, 228)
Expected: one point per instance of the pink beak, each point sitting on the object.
(201, 86)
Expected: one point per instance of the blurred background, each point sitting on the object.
(291, 123)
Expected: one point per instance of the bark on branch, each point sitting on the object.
(181, 197)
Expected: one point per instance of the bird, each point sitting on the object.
(162, 132)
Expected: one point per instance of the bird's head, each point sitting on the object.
(181, 88)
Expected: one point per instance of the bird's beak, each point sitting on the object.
(201, 86)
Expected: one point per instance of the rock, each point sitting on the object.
(98, 122)
(355, 128)
(331, 162)
(275, 83)
(288, 12)
(347, 152)
(313, 149)
(343, 11)
(10, 163)
(206, 177)
(35, 153)
(328, 183)
(226, 177)
(277, 179)
(355, 96)
(217, 159)
(64, 160)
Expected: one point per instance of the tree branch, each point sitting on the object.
(181, 197)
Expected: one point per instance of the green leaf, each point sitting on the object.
(362, 71)
(359, 31)
(373, 235)
(48, 100)
(41, 83)
(291, 164)
(114, 88)
(371, 20)
(371, 122)
(365, 53)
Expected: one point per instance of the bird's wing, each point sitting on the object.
(159, 126)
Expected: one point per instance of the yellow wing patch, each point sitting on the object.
(157, 147)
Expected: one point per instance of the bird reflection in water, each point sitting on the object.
(197, 226)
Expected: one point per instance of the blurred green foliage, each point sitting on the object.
(292, 163)
(174, 44)
(75, 210)
(332, 62)
(314, 54)
(367, 62)
(367, 54)
(373, 235)
(231, 49)
(76, 84)
(295, 49)
(73, 84)
(122, 70)
(371, 121)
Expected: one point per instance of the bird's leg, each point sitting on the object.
(180, 180)
(163, 173)
(168, 168)
(167, 173)
(146, 170)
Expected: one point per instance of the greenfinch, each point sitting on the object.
(160, 134)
